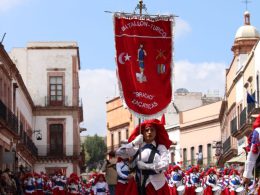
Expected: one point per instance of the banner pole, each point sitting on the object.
(139, 120)
(140, 157)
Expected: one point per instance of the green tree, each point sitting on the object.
(95, 149)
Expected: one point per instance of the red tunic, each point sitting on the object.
(121, 188)
(149, 189)
(173, 190)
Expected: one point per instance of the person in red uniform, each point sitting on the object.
(73, 184)
(123, 175)
(59, 183)
(211, 181)
(194, 181)
(39, 183)
(176, 177)
(152, 159)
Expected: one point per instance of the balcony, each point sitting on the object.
(52, 152)
(228, 149)
(245, 121)
(227, 145)
(62, 102)
(8, 118)
(233, 126)
(27, 143)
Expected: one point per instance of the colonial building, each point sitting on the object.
(242, 88)
(16, 118)
(120, 123)
(199, 132)
(50, 73)
(183, 100)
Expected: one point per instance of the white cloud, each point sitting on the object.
(181, 28)
(96, 87)
(8, 4)
(200, 77)
(99, 85)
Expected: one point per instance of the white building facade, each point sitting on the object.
(50, 73)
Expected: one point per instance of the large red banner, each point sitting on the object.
(144, 60)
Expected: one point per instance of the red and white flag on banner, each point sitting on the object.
(144, 62)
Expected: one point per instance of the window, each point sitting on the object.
(239, 110)
(185, 156)
(56, 140)
(192, 158)
(200, 156)
(126, 133)
(119, 137)
(241, 60)
(209, 153)
(56, 90)
(112, 140)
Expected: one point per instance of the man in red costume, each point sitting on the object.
(151, 159)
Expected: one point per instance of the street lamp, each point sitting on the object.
(38, 134)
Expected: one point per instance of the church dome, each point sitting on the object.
(247, 31)
(182, 90)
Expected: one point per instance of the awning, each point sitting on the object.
(238, 159)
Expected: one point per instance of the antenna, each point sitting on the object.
(3, 38)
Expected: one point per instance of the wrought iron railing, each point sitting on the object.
(243, 116)
(58, 151)
(8, 117)
(227, 145)
(233, 126)
(27, 142)
(3, 112)
(62, 102)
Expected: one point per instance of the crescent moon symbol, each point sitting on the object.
(120, 60)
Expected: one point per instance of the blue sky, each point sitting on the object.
(205, 31)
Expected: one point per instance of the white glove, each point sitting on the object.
(138, 140)
(121, 152)
(143, 166)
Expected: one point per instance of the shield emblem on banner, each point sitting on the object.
(144, 62)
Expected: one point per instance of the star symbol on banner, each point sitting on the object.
(127, 57)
